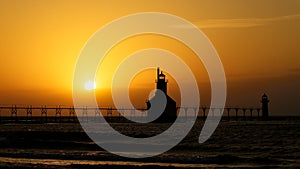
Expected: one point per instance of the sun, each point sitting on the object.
(90, 85)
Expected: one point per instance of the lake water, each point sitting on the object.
(235, 144)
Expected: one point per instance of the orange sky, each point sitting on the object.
(257, 40)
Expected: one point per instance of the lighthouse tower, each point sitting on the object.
(169, 114)
(265, 107)
(161, 82)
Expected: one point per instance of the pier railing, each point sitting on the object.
(30, 113)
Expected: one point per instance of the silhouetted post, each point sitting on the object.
(14, 112)
(213, 111)
(44, 113)
(185, 111)
(85, 114)
(251, 111)
(244, 114)
(109, 113)
(265, 108)
(29, 112)
(177, 112)
(203, 109)
(196, 112)
(58, 113)
(72, 113)
(122, 113)
(132, 114)
(228, 115)
(236, 113)
(258, 110)
(221, 111)
(119, 115)
(97, 113)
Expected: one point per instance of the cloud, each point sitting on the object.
(241, 23)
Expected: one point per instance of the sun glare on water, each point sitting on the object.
(90, 85)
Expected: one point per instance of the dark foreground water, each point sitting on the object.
(235, 144)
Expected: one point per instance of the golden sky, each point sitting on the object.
(257, 41)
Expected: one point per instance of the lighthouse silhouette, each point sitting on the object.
(169, 114)
(265, 108)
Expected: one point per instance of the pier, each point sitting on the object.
(64, 114)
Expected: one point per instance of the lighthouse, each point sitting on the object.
(265, 107)
(161, 82)
(169, 114)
